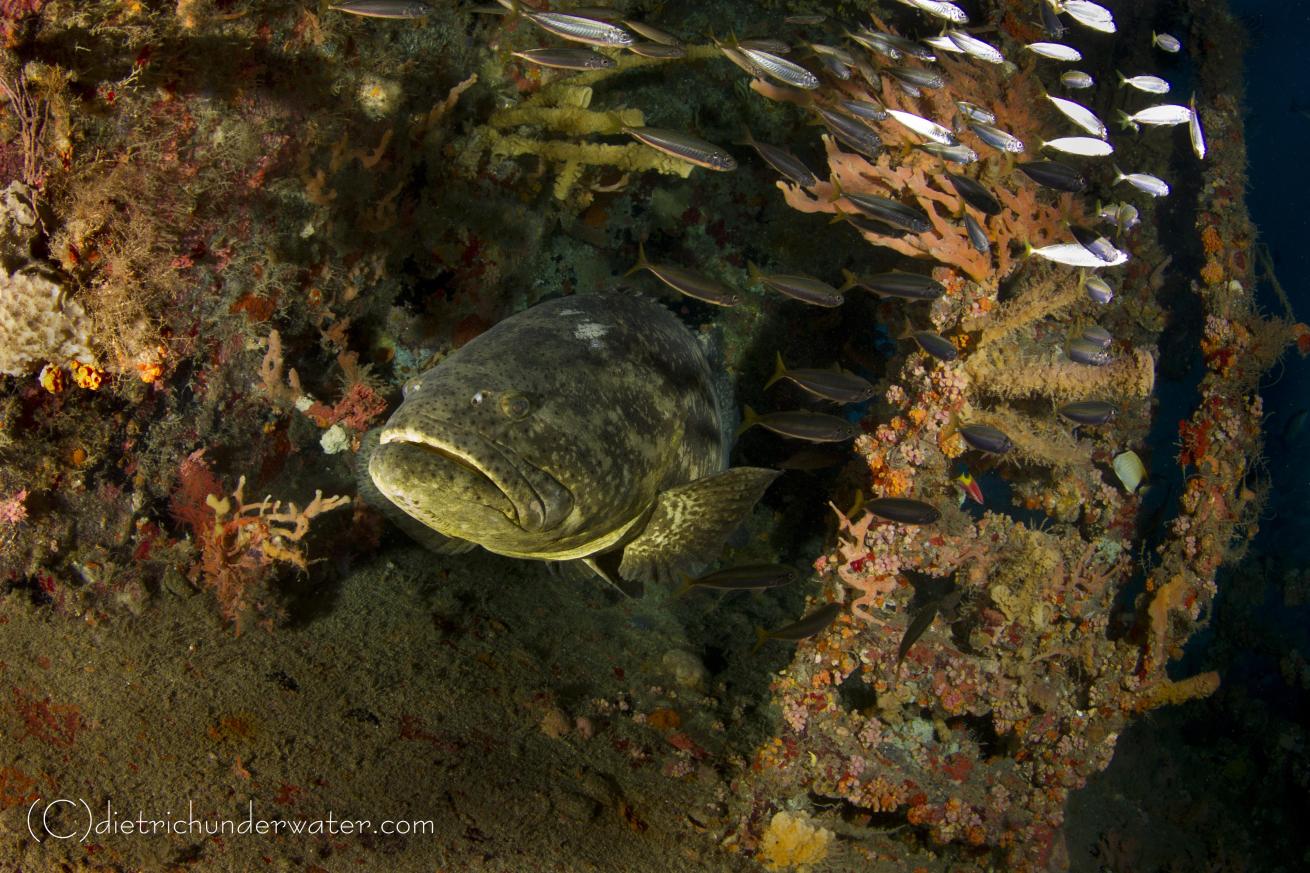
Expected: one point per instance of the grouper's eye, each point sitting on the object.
(477, 399)
(514, 405)
(409, 387)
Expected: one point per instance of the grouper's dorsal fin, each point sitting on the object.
(690, 523)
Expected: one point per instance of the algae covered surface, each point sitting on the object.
(232, 236)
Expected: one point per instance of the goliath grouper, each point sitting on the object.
(583, 429)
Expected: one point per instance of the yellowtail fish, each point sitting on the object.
(1074, 255)
(1166, 42)
(384, 8)
(800, 424)
(1076, 79)
(685, 147)
(939, 9)
(1194, 129)
(805, 628)
(1164, 115)
(806, 289)
(1149, 84)
(836, 385)
(1091, 15)
(1144, 182)
(1083, 146)
(566, 58)
(747, 577)
(975, 47)
(688, 282)
(907, 286)
(1055, 51)
(1080, 115)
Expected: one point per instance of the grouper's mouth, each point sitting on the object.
(492, 475)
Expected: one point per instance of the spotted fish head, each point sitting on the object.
(548, 434)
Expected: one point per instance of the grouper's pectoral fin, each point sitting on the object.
(606, 566)
(691, 522)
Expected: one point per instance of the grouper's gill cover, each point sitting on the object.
(554, 434)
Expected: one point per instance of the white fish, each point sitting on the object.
(1130, 470)
(1055, 51)
(943, 44)
(923, 127)
(781, 69)
(1166, 42)
(1076, 79)
(1097, 289)
(1122, 215)
(1087, 146)
(1074, 255)
(1194, 128)
(1163, 115)
(1080, 115)
(941, 9)
(1090, 15)
(1149, 84)
(1145, 182)
(974, 112)
(976, 47)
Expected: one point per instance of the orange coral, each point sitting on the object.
(1026, 216)
(1212, 273)
(1210, 240)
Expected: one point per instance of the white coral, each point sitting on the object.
(38, 325)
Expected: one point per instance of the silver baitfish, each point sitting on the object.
(586, 428)
(783, 161)
(943, 43)
(907, 286)
(903, 510)
(801, 424)
(1195, 131)
(695, 285)
(658, 51)
(1055, 51)
(977, 236)
(936, 345)
(785, 71)
(836, 68)
(997, 138)
(1090, 14)
(401, 9)
(1083, 146)
(1143, 182)
(1089, 412)
(1164, 115)
(871, 110)
(851, 132)
(651, 32)
(1166, 42)
(955, 154)
(1076, 79)
(879, 43)
(1055, 28)
(566, 58)
(1098, 290)
(838, 54)
(579, 29)
(919, 78)
(974, 112)
(895, 213)
(1149, 84)
(975, 47)
(1094, 242)
(806, 289)
(685, 147)
(975, 194)
(939, 9)
(1084, 351)
(1080, 115)
(985, 438)
(923, 127)
(805, 19)
(1053, 174)
(838, 386)
(764, 44)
